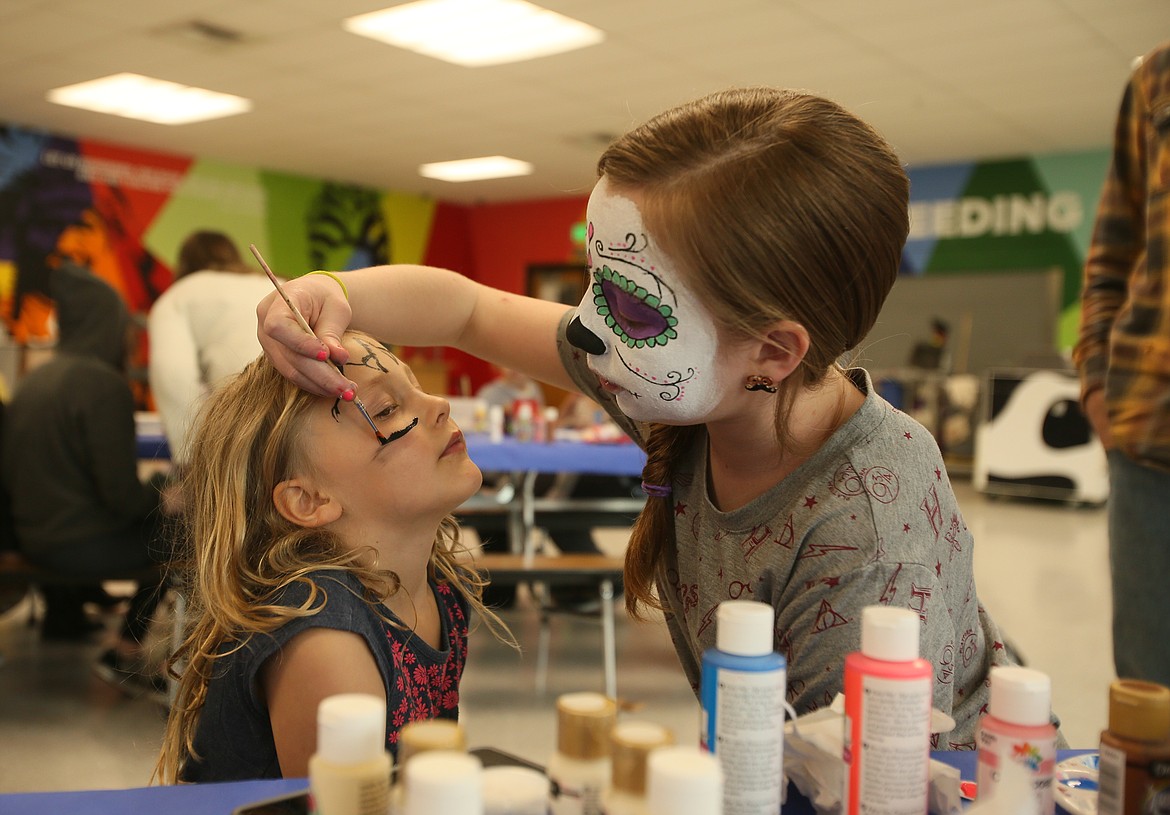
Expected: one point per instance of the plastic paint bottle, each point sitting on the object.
(350, 772)
(684, 781)
(444, 781)
(579, 769)
(1135, 750)
(631, 743)
(422, 737)
(888, 698)
(1018, 728)
(524, 420)
(742, 690)
(496, 423)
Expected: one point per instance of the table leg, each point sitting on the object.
(609, 638)
(528, 513)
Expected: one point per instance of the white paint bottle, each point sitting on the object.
(443, 781)
(579, 769)
(350, 772)
(684, 781)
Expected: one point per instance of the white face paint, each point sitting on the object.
(660, 345)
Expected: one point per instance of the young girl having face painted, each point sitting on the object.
(738, 247)
(322, 560)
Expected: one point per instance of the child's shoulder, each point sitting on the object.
(318, 585)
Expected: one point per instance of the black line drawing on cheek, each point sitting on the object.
(397, 434)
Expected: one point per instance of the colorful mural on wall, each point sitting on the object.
(123, 212)
(1018, 215)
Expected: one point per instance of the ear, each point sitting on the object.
(302, 504)
(785, 348)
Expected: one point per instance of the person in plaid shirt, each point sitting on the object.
(1123, 355)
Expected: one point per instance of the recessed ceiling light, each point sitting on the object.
(151, 100)
(475, 169)
(475, 32)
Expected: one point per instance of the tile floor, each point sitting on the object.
(1041, 570)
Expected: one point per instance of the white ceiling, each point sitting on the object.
(944, 80)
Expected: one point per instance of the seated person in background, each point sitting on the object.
(507, 387)
(70, 461)
(202, 329)
(324, 563)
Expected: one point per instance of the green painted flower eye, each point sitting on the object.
(639, 318)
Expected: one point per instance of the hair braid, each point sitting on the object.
(654, 527)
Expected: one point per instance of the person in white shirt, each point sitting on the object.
(202, 329)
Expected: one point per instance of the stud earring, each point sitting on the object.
(755, 382)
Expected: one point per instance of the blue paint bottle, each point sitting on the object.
(742, 699)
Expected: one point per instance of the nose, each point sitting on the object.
(443, 407)
(581, 337)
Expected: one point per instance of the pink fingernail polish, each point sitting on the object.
(347, 395)
(322, 355)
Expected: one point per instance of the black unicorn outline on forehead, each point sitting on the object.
(372, 361)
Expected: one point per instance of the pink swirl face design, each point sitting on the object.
(654, 344)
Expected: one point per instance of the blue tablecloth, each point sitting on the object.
(189, 799)
(510, 455)
(506, 456)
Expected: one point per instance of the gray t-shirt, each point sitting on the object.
(869, 519)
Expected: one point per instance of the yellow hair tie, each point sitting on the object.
(340, 282)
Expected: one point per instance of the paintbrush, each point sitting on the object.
(305, 325)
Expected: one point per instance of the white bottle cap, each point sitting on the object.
(514, 791)
(745, 628)
(444, 781)
(889, 634)
(1020, 695)
(351, 728)
(683, 780)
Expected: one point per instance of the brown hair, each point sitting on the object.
(209, 250)
(775, 205)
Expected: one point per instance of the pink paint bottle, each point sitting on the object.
(889, 692)
(1018, 727)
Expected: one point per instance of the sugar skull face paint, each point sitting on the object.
(646, 333)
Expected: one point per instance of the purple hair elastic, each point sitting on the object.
(656, 490)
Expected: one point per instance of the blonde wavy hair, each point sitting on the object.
(775, 205)
(237, 553)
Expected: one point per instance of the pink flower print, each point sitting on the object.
(451, 700)
(399, 720)
(409, 658)
(420, 674)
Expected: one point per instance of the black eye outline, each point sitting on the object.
(606, 284)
